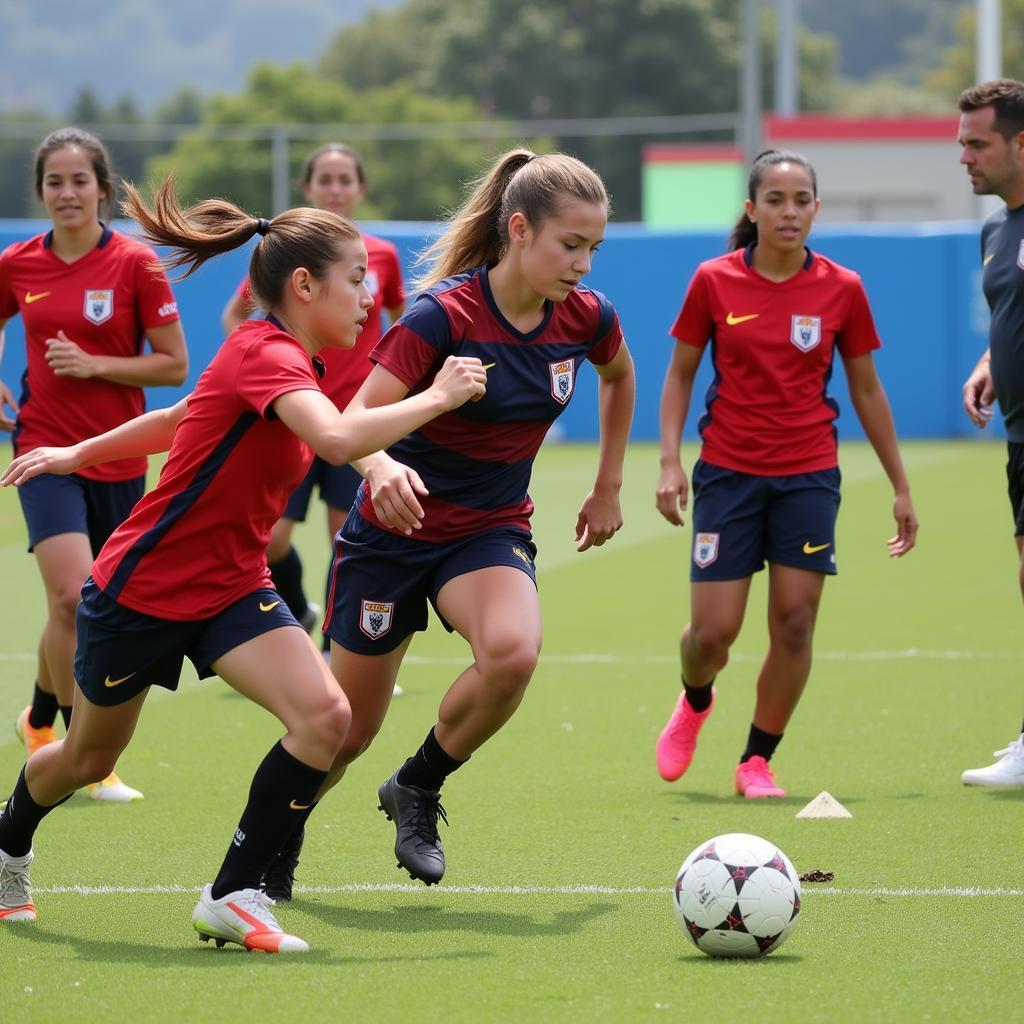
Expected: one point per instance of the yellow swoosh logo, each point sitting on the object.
(733, 320)
(810, 549)
(30, 298)
(985, 262)
(268, 607)
(299, 807)
(117, 682)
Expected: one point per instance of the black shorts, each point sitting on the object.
(55, 504)
(337, 484)
(122, 652)
(1015, 484)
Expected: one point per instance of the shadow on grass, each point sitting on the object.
(1007, 794)
(424, 917)
(201, 954)
(724, 963)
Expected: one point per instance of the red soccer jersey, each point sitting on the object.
(772, 346)
(105, 302)
(197, 541)
(348, 368)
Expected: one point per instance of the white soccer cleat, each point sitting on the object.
(112, 790)
(1007, 771)
(15, 889)
(243, 917)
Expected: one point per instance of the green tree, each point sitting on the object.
(407, 179)
(576, 58)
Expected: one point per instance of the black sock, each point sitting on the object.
(65, 713)
(20, 819)
(44, 708)
(698, 697)
(287, 576)
(282, 786)
(429, 766)
(760, 744)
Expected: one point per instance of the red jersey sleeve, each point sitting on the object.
(8, 302)
(393, 293)
(609, 339)
(274, 365)
(695, 325)
(154, 300)
(858, 336)
(417, 342)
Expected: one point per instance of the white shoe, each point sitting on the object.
(243, 917)
(15, 889)
(112, 790)
(398, 691)
(311, 617)
(1007, 771)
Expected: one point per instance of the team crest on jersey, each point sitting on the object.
(563, 379)
(375, 618)
(372, 282)
(705, 549)
(99, 305)
(806, 332)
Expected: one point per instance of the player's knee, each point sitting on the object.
(508, 663)
(710, 640)
(795, 628)
(331, 722)
(93, 765)
(63, 605)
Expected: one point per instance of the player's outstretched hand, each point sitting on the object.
(906, 526)
(393, 491)
(599, 520)
(39, 461)
(460, 380)
(7, 399)
(673, 494)
(979, 394)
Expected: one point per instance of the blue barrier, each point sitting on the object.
(923, 282)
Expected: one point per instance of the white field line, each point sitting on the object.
(519, 890)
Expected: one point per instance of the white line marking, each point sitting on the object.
(966, 891)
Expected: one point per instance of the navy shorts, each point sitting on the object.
(338, 486)
(741, 521)
(55, 504)
(1015, 484)
(381, 581)
(121, 652)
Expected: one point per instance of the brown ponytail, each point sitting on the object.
(745, 230)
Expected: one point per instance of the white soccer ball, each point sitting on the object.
(737, 895)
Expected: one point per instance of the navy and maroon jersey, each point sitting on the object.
(476, 460)
(104, 302)
(197, 542)
(348, 368)
(772, 345)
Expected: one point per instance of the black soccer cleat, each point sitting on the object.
(279, 877)
(415, 813)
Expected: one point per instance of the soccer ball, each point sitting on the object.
(737, 895)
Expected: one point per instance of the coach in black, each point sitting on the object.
(991, 137)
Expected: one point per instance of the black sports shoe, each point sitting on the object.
(415, 812)
(279, 877)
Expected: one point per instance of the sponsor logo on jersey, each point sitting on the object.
(375, 618)
(167, 309)
(99, 305)
(30, 298)
(812, 549)
(268, 607)
(705, 549)
(733, 320)
(117, 682)
(372, 282)
(563, 379)
(806, 332)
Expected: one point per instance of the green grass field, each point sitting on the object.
(564, 842)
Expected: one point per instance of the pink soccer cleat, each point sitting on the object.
(755, 780)
(678, 740)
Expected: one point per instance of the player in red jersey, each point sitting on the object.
(505, 287)
(766, 485)
(88, 300)
(186, 573)
(334, 178)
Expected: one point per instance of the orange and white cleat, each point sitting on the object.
(112, 790)
(15, 889)
(32, 739)
(243, 917)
